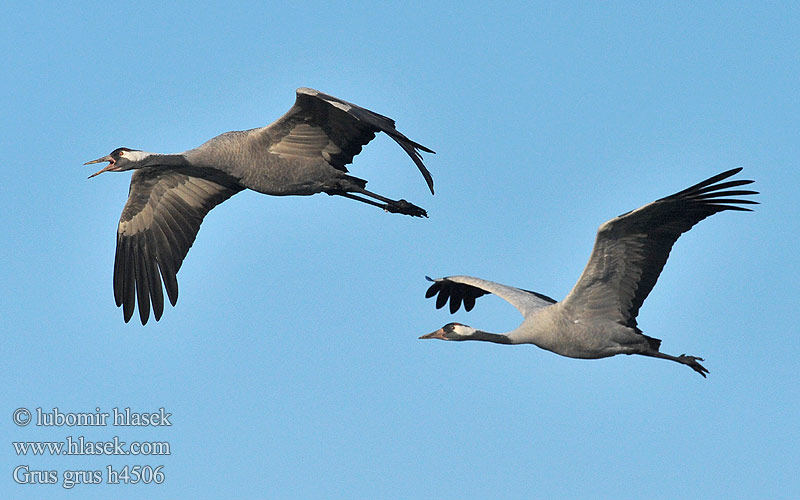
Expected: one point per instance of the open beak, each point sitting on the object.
(438, 334)
(108, 168)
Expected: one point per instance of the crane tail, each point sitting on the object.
(655, 344)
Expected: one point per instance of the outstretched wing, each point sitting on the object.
(630, 251)
(158, 226)
(466, 289)
(319, 125)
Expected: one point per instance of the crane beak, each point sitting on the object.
(438, 334)
(109, 167)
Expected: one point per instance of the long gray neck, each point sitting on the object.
(160, 160)
(497, 338)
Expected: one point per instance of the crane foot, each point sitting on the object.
(405, 208)
(692, 362)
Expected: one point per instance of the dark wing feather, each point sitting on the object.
(158, 226)
(458, 292)
(320, 125)
(630, 251)
(454, 292)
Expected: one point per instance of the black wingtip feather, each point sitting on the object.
(733, 192)
(119, 271)
(469, 303)
(698, 188)
(409, 147)
(142, 287)
(441, 300)
(128, 282)
(734, 207)
(723, 185)
(170, 282)
(455, 303)
(150, 250)
(733, 200)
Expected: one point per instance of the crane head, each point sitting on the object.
(451, 331)
(119, 160)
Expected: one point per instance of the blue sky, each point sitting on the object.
(291, 364)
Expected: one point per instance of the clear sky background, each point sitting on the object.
(291, 364)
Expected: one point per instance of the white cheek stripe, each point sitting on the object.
(136, 155)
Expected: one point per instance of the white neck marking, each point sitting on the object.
(136, 155)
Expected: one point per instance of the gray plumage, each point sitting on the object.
(302, 153)
(597, 319)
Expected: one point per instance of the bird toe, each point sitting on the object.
(406, 208)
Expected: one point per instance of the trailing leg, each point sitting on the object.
(690, 361)
(393, 206)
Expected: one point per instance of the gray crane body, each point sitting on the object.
(241, 155)
(597, 318)
(304, 152)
